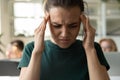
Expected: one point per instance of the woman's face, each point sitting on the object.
(106, 46)
(12, 52)
(64, 25)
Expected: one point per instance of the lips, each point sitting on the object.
(64, 41)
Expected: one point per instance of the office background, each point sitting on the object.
(19, 18)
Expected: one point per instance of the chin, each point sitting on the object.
(64, 46)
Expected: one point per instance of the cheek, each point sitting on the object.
(53, 31)
(77, 30)
(51, 28)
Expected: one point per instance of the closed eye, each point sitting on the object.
(57, 26)
(73, 26)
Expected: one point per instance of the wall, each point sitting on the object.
(5, 28)
(0, 16)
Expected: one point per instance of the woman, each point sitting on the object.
(63, 57)
(108, 45)
(14, 49)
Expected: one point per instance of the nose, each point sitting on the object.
(65, 32)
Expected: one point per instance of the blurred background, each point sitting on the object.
(19, 18)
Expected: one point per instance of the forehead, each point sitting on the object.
(105, 43)
(64, 15)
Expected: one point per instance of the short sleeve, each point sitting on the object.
(101, 56)
(26, 55)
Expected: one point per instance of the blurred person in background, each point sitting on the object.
(108, 45)
(14, 49)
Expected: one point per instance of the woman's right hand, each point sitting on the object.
(39, 36)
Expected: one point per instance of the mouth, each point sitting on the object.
(65, 41)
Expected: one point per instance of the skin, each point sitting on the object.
(13, 52)
(64, 26)
(64, 35)
(106, 46)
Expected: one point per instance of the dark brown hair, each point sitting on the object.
(63, 3)
(18, 43)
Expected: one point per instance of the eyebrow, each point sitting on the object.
(55, 23)
(74, 23)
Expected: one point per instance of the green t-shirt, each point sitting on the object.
(62, 64)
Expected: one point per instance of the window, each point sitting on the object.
(27, 17)
(113, 19)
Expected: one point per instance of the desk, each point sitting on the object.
(114, 77)
(9, 78)
(17, 78)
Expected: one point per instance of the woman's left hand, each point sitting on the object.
(89, 33)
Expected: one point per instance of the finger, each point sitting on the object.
(85, 21)
(42, 26)
(47, 17)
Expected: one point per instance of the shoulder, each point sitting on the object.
(79, 42)
(30, 44)
(98, 49)
(29, 47)
(97, 45)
